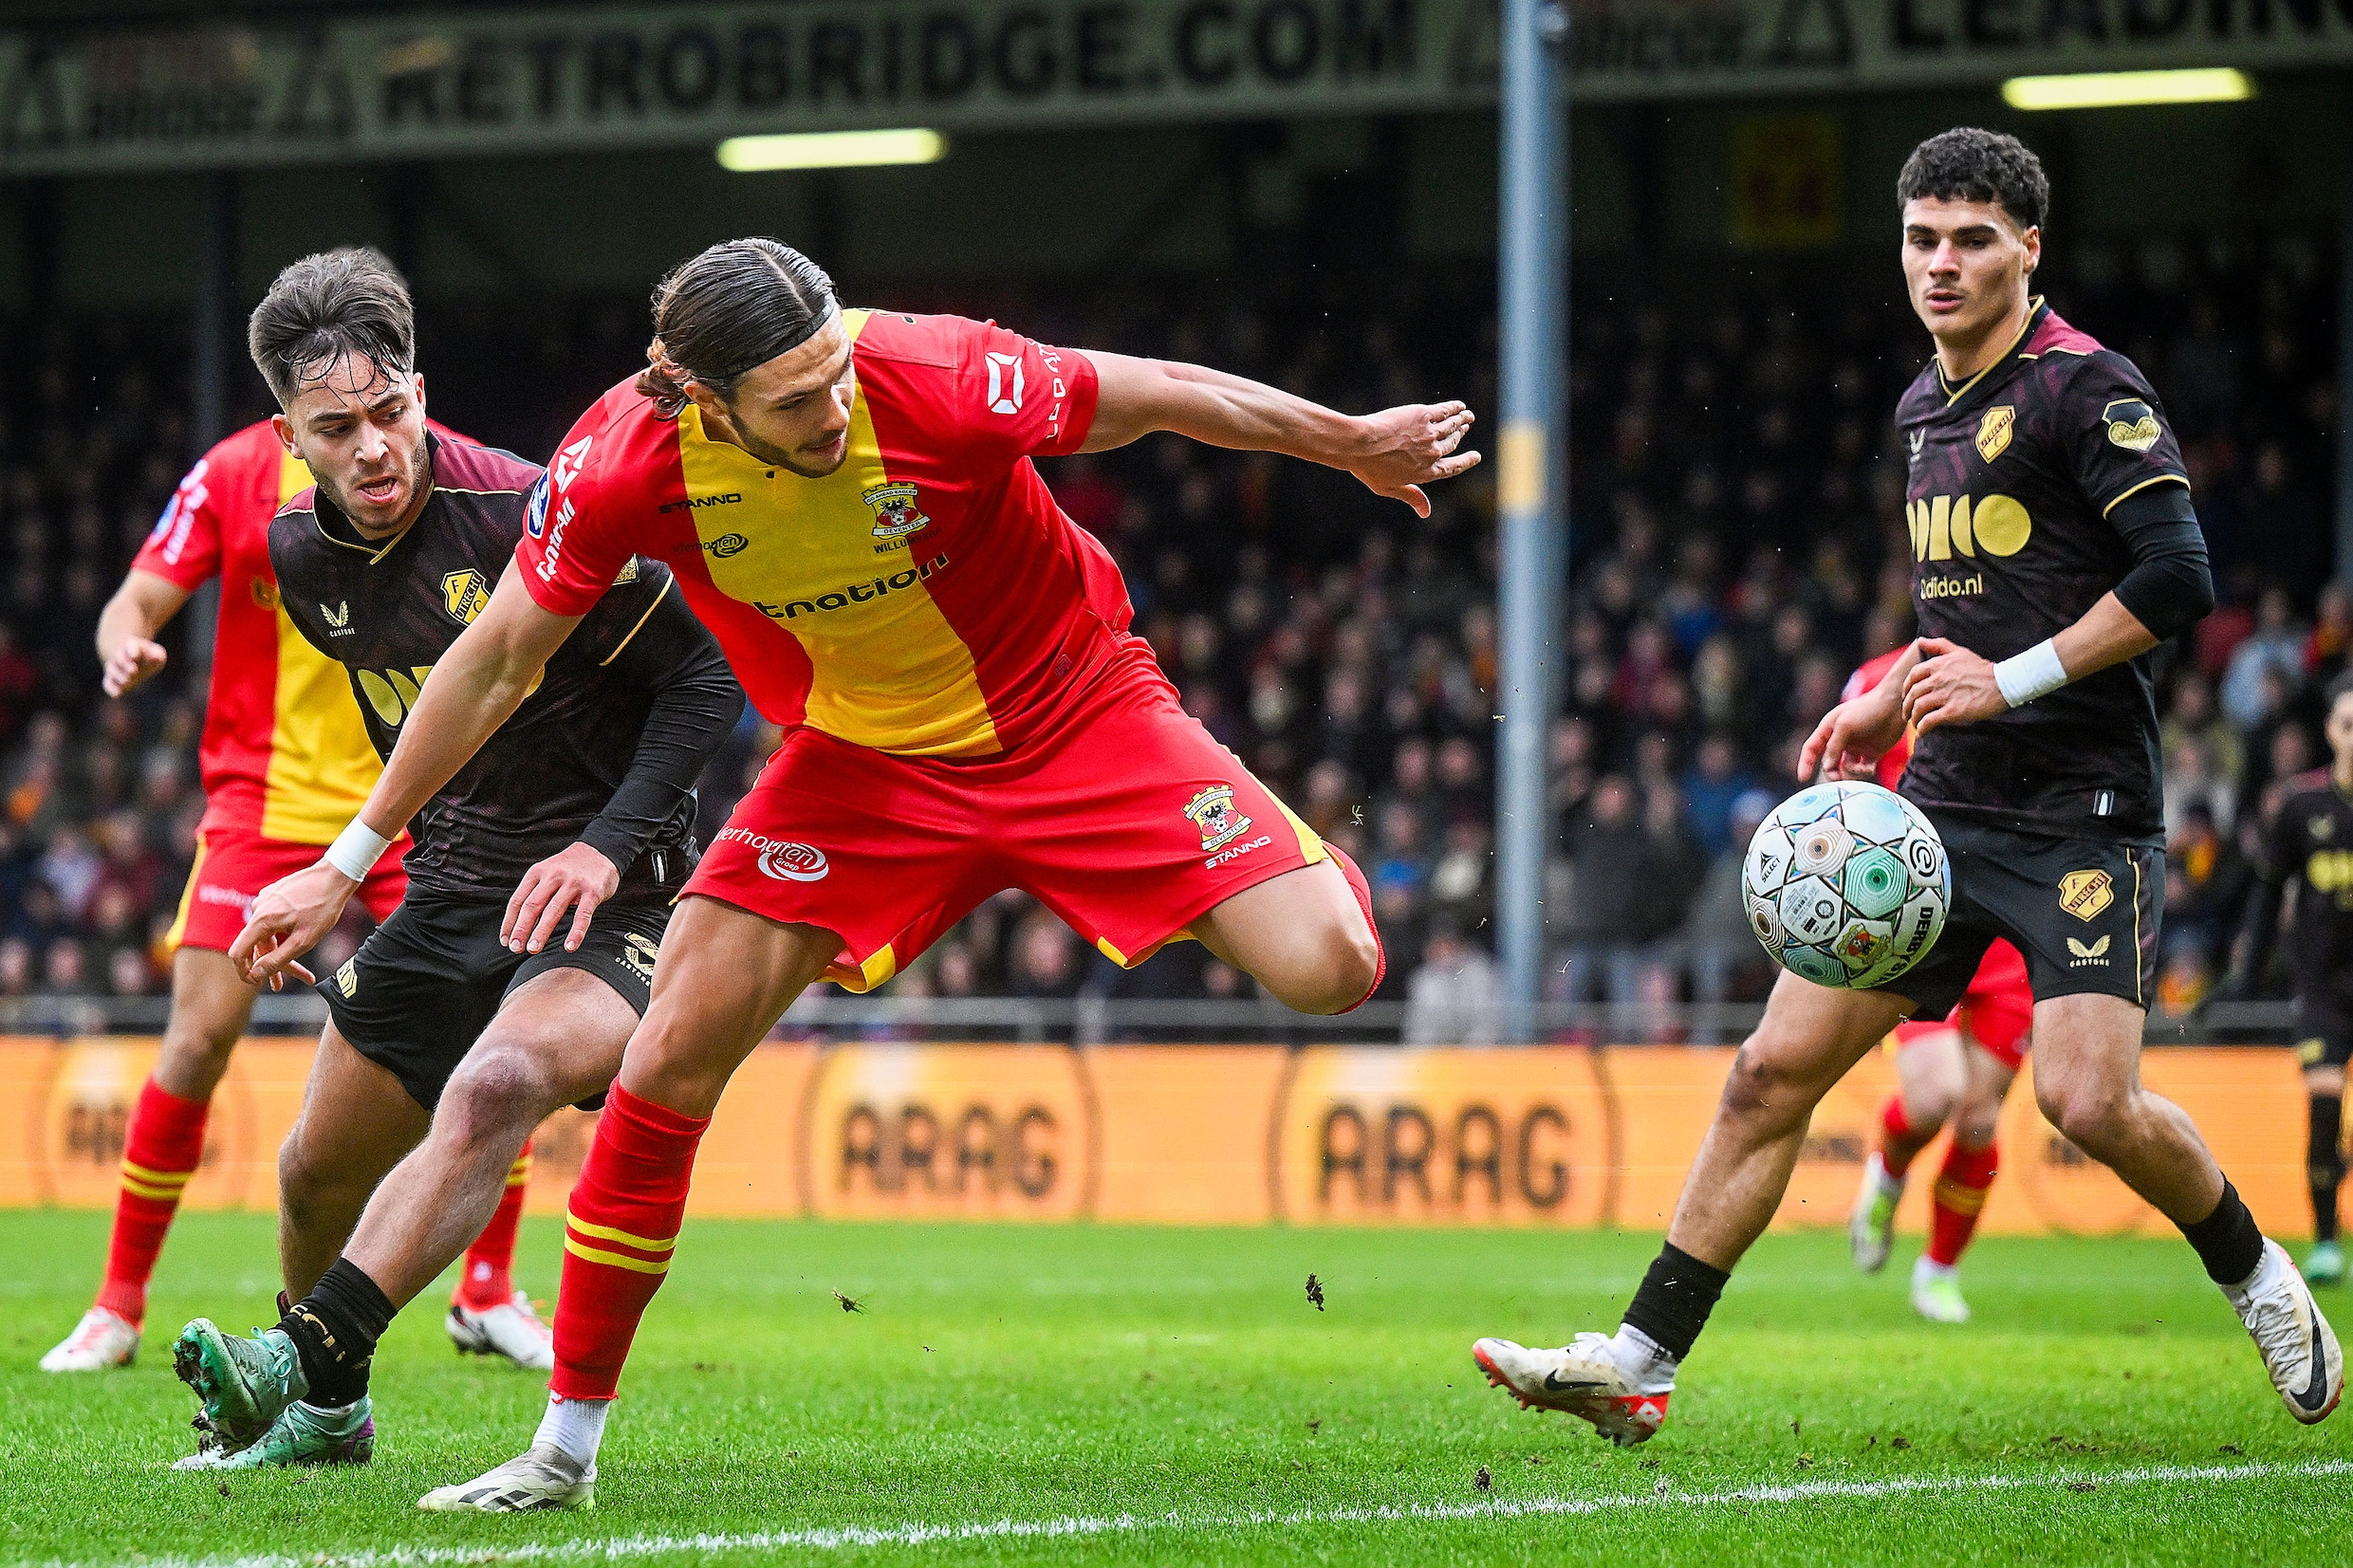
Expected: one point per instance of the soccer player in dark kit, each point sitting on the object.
(472, 1013)
(2054, 547)
(2311, 839)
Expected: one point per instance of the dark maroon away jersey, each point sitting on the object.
(2013, 477)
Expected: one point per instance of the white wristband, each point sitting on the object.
(356, 850)
(2036, 672)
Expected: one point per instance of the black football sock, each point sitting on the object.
(335, 1329)
(2325, 1163)
(1673, 1301)
(2227, 1240)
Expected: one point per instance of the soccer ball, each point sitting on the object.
(1847, 885)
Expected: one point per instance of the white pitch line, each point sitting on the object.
(848, 1537)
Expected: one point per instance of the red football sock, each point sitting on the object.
(1898, 1144)
(1364, 890)
(159, 1153)
(489, 1279)
(1961, 1196)
(618, 1237)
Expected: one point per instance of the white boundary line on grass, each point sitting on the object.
(1083, 1525)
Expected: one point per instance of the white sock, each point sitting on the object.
(573, 1428)
(1926, 1268)
(1652, 1368)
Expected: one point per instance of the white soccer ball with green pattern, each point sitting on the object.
(1847, 885)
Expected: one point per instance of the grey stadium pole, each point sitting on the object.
(1531, 488)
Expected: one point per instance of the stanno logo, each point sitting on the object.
(2084, 894)
(694, 501)
(337, 619)
(1237, 851)
(857, 593)
(1004, 374)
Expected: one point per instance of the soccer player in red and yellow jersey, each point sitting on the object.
(285, 763)
(1956, 1069)
(849, 499)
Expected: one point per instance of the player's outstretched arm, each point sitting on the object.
(1852, 737)
(1951, 685)
(126, 628)
(1394, 452)
(478, 684)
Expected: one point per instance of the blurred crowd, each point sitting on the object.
(1737, 549)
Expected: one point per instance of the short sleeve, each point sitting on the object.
(185, 546)
(1020, 398)
(2117, 433)
(574, 541)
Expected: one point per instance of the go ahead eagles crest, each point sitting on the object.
(894, 515)
(1213, 812)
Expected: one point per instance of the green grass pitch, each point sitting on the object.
(1090, 1393)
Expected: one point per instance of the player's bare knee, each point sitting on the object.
(2092, 1115)
(1769, 1083)
(1344, 969)
(305, 1177)
(492, 1093)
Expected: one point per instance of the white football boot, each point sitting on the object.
(546, 1477)
(2299, 1348)
(511, 1329)
(1621, 1387)
(1871, 1225)
(1936, 1292)
(102, 1339)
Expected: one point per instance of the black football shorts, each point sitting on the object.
(2082, 912)
(427, 981)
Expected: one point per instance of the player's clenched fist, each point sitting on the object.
(289, 918)
(578, 877)
(1411, 446)
(133, 661)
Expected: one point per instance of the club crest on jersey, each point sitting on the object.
(2084, 894)
(2132, 424)
(894, 514)
(1214, 813)
(1994, 430)
(463, 594)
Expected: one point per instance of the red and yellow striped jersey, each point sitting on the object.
(926, 599)
(284, 753)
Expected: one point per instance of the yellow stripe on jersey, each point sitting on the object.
(888, 670)
(321, 763)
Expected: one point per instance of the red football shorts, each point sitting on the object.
(1997, 1008)
(232, 868)
(1128, 821)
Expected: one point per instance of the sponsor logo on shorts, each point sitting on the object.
(1236, 852)
(2097, 954)
(782, 858)
(1213, 811)
(242, 902)
(347, 978)
(2084, 894)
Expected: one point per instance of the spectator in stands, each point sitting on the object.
(1455, 996)
(2277, 643)
(1727, 961)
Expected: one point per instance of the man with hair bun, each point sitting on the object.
(2054, 547)
(848, 498)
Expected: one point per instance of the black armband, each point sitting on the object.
(2169, 588)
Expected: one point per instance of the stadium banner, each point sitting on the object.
(1203, 1135)
(423, 85)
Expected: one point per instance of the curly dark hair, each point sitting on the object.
(350, 301)
(1968, 164)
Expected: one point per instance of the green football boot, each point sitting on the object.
(303, 1435)
(2325, 1264)
(244, 1385)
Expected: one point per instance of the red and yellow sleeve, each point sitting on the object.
(1016, 397)
(577, 525)
(185, 546)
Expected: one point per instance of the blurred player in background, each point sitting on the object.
(849, 499)
(2054, 547)
(469, 1015)
(2309, 841)
(1954, 1070)
(285, 763)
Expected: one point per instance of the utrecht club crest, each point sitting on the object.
(1213, 812)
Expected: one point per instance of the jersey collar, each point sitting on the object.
(1998, 372)
(336, 528)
